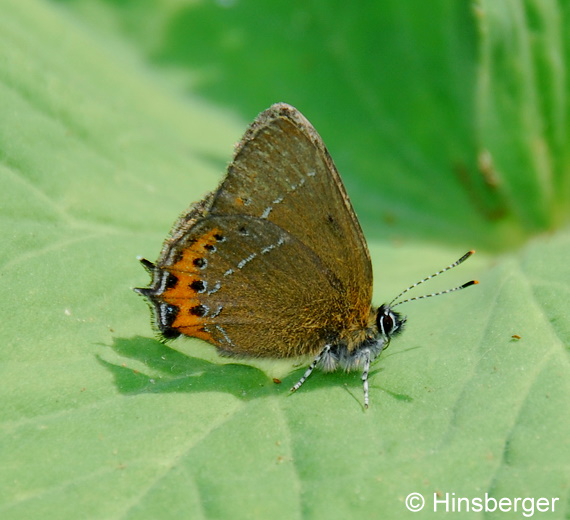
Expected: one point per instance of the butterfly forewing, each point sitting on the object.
(283, 173)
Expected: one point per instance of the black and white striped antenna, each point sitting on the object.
(451, 266)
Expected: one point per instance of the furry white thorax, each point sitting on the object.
(339, 356)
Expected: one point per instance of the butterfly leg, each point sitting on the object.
(311, 367)
(365, 376)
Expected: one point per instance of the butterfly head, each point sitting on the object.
(389, 322)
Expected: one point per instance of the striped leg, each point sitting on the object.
(311, 367)
(365, 376)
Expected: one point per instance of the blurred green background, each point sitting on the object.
(448, 121)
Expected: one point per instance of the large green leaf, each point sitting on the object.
(449, 123)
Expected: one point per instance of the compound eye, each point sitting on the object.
(388, 321)
(387, 324)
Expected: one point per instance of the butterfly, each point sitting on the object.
(274, 262)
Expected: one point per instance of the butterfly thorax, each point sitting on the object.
(365, 343)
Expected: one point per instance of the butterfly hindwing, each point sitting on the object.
(251, 288)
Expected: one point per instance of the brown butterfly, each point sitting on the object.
(274, 262)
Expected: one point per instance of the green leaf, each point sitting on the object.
(448, 122)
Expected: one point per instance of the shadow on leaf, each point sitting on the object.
(168, 370)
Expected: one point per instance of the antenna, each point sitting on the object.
(451, 266)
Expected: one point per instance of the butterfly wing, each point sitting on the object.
(247, 286)
(282, 172)
(274, 262)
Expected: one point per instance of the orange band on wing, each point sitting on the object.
(187, 270)
(186, 286)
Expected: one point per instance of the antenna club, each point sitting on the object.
(463, 258)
